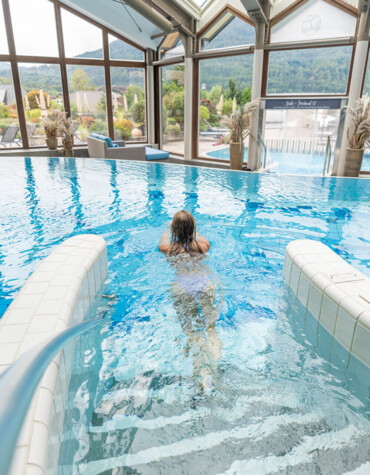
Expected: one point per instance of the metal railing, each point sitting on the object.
(327, 160)
(19, 382)
(261, 142)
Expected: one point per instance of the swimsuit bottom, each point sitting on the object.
(193, 284)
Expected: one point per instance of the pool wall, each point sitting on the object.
(336, 294)
(56, 296)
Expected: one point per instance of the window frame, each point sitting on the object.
(63, 61)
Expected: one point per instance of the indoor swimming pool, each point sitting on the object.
(288, 162)
(156, 390)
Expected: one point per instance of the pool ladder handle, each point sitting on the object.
(19, 382)
(262, 142)
(327, 160)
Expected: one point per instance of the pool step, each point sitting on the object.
(250, 443)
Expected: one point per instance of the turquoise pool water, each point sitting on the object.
(155, 389)
(291, 163)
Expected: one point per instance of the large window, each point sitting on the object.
(119, 49)
(88, 101)
(3, 39)
(225, 85)
(81, 39)
(309, 71)
(41, 91)
(43, 88)
(315, 19)
(34, 27)
(128, 99)
(173, 108)
(227, 31)
(9, 125)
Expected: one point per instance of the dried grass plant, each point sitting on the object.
(66, 133)
(240, 123)
(360, 132)
(51, 124)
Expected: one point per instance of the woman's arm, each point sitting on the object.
(203, 243)
(164, 243)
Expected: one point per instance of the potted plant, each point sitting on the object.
(50, 124)
(66, 133)
(357, 136)
(239, 125)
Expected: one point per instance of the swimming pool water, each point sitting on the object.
(287, 162)
(279, 396)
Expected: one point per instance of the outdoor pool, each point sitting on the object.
(280, 396)
(286, 162)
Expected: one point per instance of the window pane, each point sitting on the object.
(81, 39)
(228, 31)
(119, 49)
(34, 27)
(172, 46)
(9, 125)
(3, 38)
(43, 86)
(128, 99)
(88, 103)
(309, 71)
(366, 89)
(316, 19)
(221, 80)
(173, 108)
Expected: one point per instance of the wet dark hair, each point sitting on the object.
(184, 234)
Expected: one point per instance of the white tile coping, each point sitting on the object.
(334, 292)
(56, 296)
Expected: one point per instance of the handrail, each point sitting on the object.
(327, 160)
(261, 141)
(19, 382)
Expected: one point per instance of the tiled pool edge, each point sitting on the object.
(335, 293)
(56, 296)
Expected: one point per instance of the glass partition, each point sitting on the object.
(3, 38)
(10, 135)
(34, 27)
(81, 39)
(315, 19)
(119, 49)
(228, 31)
(173, 108)
(128, 99)
(43, 87)
(88, 101)
(225, 85)
(309, 71)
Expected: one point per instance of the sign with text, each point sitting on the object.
(303, 103)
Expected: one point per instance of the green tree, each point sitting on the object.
(102, 104)
(231, 91)
(4, 111)
(247, 95)
(80, 81)
(138, 112)
(130, 95)
(204, 116)
(239, 95)
(227, 107)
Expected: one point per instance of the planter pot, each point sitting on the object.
(353, 162)
(52, 143)
(236, 156)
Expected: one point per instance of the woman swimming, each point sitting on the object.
(194, 292)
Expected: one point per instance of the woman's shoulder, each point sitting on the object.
(203, 244)
(164, 247)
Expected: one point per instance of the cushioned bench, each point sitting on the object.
(154, 154)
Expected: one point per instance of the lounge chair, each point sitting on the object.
(101, 146)
(9, 136)
(31, 129)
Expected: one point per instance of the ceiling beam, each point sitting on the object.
(258, 10)
(173, 12)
